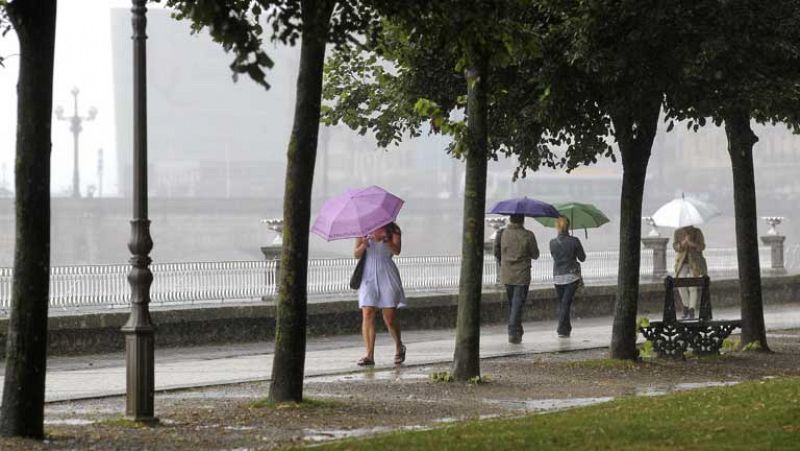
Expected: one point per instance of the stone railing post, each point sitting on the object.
(775, 242)
(658, 244)
(272, 251)
(496, 223)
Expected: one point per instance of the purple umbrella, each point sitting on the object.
(531, 208)
(356, 213)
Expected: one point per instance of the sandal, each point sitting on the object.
(400, 357)
(365, 361)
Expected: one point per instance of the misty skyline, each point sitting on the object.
(213, 138)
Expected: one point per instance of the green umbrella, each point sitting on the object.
(581, 216)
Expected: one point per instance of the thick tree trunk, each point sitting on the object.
(290, 329)
(466, 361)
(22, 413)
(635, 136)
(741, 140)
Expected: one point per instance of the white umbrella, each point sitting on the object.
(683, 212)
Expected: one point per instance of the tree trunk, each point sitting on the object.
(290, 329)
(635, 136)
(22, 413)
(740, 147)
(466, 361)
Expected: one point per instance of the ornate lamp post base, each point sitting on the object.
(139, 330)
(139, 348)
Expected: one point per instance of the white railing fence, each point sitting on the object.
(791, 258)
(195, 282)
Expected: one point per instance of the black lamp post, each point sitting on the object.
(75, 127)
(138, 330)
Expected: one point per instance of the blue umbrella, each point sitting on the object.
(531, 208)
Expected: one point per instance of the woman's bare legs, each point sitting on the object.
(389, 315)
(368, 330)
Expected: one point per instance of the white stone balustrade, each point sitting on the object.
(105, 286)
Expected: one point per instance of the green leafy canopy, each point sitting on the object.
(410, 79)
(5, 25)
(744, 56)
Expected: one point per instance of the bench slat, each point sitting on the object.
(690, 282)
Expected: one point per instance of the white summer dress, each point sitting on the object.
(381, 286)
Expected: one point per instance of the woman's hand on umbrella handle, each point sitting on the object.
(361, 246)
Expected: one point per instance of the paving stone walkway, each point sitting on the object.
(71, 378)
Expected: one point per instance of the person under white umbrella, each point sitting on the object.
(683, 215)
(684, 211)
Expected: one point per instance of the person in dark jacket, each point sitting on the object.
(566, 251)
(516, 248)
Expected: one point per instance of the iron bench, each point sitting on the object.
(672, 338)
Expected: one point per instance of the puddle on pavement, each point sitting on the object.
(547, 405)
(446, 420)
(319, 435)
(650, 391)
(658, 390)
(68, 422)
(240, 428)
(61, 409)
(368, 376)
(694, 385)
(207, 394)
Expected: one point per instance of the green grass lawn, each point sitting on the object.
(749, 416)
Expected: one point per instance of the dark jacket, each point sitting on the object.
(566, 251)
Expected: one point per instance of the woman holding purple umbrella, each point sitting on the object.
(381, 288)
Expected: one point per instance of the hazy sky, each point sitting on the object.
(82, 60)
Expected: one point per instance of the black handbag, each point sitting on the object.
(358, 273)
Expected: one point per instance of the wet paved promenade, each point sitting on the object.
(70, 378)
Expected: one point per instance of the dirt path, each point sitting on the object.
(377, 401)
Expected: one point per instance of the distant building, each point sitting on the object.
(700, 161)
(210, 137)
(207, 136)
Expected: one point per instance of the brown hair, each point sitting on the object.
(562, 224)
(392, 228)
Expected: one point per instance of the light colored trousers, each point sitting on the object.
(689, 295)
